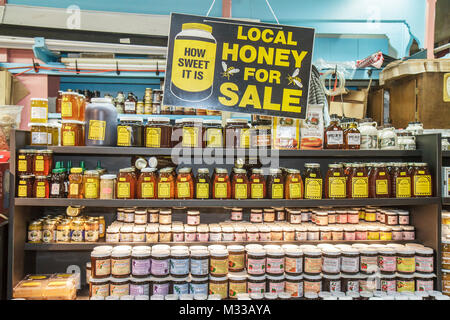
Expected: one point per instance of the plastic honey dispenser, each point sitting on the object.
(194, 56)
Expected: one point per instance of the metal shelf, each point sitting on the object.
(261, 203)
(88, 246)
(117, 151)
(145, 116)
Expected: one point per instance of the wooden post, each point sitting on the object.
(429, 32)
(226, 8)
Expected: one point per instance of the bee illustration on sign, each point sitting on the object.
(228, 71)
(294, 79)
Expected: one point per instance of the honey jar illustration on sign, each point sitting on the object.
(194, 57)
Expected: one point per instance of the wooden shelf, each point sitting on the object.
(88, 246)
(262, 203)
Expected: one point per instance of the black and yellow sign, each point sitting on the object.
(238, 66)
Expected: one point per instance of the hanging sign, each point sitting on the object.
(238, 66)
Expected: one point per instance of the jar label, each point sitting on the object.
(130, 106)
(140, 267)
(91, 190)
(369, 284)
(34, 236)
(360, 187)
(369, 264)
(102, 267)
(219, 288)
(381, 187)
(276, 287)
(123, 190)
(369, 141)
(236, 261)
(66, 109)
(424, 285)
(350, 264)
(312, 286)
(277, 190)
(422, 185)
(293, 265)
(337, 187)
(257, 191)
(352, 286)
(22, 166)
(220, 190)
(245, 138)
(183, 190)
(179, 266)
(214, 138)
(386, 263)
(406, 264)
(202, 190)
(47, 236)
(199, 267)
(353, 139)
(22, 191)
(331, 265)
(164, 190)
(190, 137)
(313, 188)
(91, 235)
(39, 165)
(68, 138)
(97, 129)
(148, 189)
(100, 290)
(256, 266)
(424, 264)
(139, 289)
(124, 136)
(240, 191)
(218, 266)
(182, 288)
(388, 142)
(313, 265)
(40, 191)
(160, 267)
(39, 113)
(275, 265)
(294, 288)
(335, 137)
(198, 288)
(403, 187)
(257, 287)
(295, 190)
(120, 267)
(405, 285)
(335, 285)
(119, 289)
(235, 288)
(161, 288)
(388, 285)
(153, 138)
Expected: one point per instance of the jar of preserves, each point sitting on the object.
(158, 133)
(72, 133)
(240, 187)
(379, 181)
(293, 184)
(358, 182)
(91, 184)
(422, 184)
(192, 133)
(166, 184)
(126, 184)
(184, 185)
(35, 232)
(213, 134)
(25, 186)
(352, 136)
(146, 184)
(221, 184)
(107, 187)
(237, 134)
(41, 187)
(334, 135)
(202, 183)
(335, 182)
(25, 162)
(401, 181)
(77, 231)
(130, 132)
(275, 184)
(313, 181)
(257, 184)
(70, 106)
(218, 263)
(406, 263)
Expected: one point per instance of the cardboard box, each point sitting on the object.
(11, 89)
(351, 105)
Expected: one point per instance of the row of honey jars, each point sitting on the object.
(44, 134)
(37, 162)
(335, 137)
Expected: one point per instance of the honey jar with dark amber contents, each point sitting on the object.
(126, 184)
(422, 184)
(313, 181)
(293, 185)
(184, 185)
(401, 181)
(379, 181)
(41, 187)
(166, 184)
(72, 133)
(358, 182)
(275, 184)
(221, 184)
(202, 184)
(146, 184)
(240, 185)
(335, 182)
(257, 184)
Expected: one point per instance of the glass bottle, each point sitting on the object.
(257, 184)
(334, 135)
(422, 183)
(293, 185)
(57, 187)
(352, 136)
(166, 184)
(240, 188)
(184, 186)
(313, 181)
(146, 184)
(275, 184)
(130, 104)
(76, 183)
(335, 182)
(202, 184)
(401, 181)
(379, 181)
(120, 102)
(221, 184)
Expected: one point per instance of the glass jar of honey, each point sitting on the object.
(41, 187)
(130, 132)
(126, 184)
(237, 134)
(401, 181)
(72, 133)
(240, 185)
(334, 135)
(294, 184)
(43, 162)
(192, 133)
(184, 186)
(70, 106)
(202, 184)
(75, 183)
(158, 133)
(313, 181)
(221, 184)
(422, 184)
(38, 110)
(25, 186)
(38, 134)
(25, 161)
(166, 184)
(275, 184)
(379, 181)
(358, 182)
(91, 184)
(213, 134)
(335, 182)
(146, 184)
(257, 184)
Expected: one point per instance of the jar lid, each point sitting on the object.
(402, 213)
(200, 296)
(257, 278)
(235, 248)
(157, 297)
(311, 295)
(214, 297)
(108, 177)
(277, 277)
(256, 296)
(160, 253)
(368, 250)
(366, 294)
(256, 252)
(284, 295)
(237, 277)
(331, 276)
(199, 253)
(212, 278)
(196, 120)
(331, 251)
(423, 250)
(158, 119)
(119, 280)
(221, 170)
(237, 121)
(350, 251)
(253, 246)
(120, 253)
(275, 171)
(203, 170)
(408, 228)
(290, 277)
(323, 294)
(219, 253)
(312, 165)
(425, 275)
(130, 118)
(171, 297)
(312, 277)
(140, 280)
(216, 247)
(199, 279)
(179, 252)
(193, 213)
(387, 251)
(212, 121)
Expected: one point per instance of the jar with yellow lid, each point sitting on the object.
(63, 231)
(35, 232)
(77, 231)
